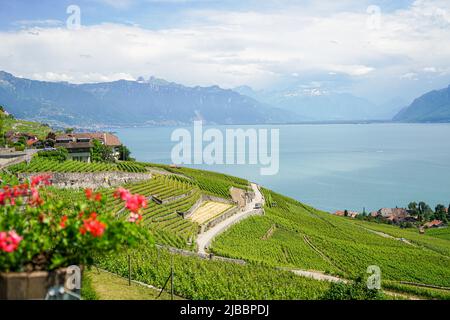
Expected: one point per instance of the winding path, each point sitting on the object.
(205, 239)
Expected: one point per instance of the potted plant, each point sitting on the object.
(41, 235)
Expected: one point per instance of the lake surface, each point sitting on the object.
(337, 167)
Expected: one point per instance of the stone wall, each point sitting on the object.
(230, 212)
(92, 179)
(179, 197)
(200, 255)
(203, 198)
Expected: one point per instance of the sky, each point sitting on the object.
(378, 50)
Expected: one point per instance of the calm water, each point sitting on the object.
(338, 166)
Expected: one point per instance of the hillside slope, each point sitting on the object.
(433, 106)
(296, 236)
(290, 236)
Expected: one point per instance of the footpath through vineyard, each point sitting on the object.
(205, 239)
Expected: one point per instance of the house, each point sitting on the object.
(434, 224)
(15, 137)
(105, 138)
(79, 148)
(79, 145)
(351, 214)
(392, 214)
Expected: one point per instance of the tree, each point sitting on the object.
(412, 207)
(124, 153)
(69, 130)
(345, 213)
(101, 153)
(440, 213)
(425, 212)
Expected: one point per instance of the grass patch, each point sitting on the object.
(108, 286)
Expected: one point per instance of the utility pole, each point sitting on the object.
(171, 278)
(129, 270)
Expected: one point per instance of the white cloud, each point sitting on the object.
(40, 23)
(232, 48)
(410, 76)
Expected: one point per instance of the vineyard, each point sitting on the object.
(306, 238)
(195, 278)
(290, 235)
(214, 183)
(209, 210)
(45, 165)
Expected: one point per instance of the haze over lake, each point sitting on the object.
(336, 167)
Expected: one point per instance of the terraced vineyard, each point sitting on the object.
(45, 165)
(208, 210)
(169, 226)
(195, 278)
(290, 235)
(210, 182)
(306, 238)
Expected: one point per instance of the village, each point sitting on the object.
(23, 139)
(418, 215)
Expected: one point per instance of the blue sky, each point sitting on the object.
(379, 50)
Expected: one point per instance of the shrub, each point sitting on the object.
(60, 154)
(37, 233)
(356, 290)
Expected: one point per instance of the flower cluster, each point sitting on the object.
(90, 195)
(9, 241)
(133, 202)
(93, 226)
(38, 235)
(40, 180)
(11, 194)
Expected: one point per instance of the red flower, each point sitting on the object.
(35, 199)
(98, 197)
(9, 241)
(135, 203)
(88, 193)
(93, 226)
(135, 217)
(122, 193)
(63, 221)
(42, 179)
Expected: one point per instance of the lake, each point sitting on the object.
(337, 166)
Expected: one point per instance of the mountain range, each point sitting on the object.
(126, 103)
(158, 102)
(316, 104)
(433, 106)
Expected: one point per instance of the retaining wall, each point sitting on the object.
(91, 179)
(209, 256)
(203, 198)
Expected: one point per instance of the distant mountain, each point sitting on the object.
(433, 106)
(315, 104)
(140, 102)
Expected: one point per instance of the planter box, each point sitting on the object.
(29, 285)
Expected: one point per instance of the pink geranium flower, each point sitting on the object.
(9, 241)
